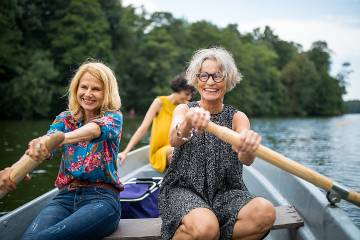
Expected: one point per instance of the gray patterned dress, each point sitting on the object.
(204, 173)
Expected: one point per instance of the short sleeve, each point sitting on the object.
(110, 125)
(58, 124)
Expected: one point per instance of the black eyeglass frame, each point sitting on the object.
(211, 75)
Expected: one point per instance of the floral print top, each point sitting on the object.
(93, 161)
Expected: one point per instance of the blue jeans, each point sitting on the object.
(84, 213)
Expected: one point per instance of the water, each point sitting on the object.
(327, 145)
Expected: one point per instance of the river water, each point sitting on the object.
(329, 146)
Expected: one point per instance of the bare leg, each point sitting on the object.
(254, 219)
(199, 224)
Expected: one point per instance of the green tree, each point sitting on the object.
(33, 89)
(320, 55)
(301, 81)
(11, 50)
(329, 92)
(352, 106)
(41, 43)
(203, 34)
(79, 31)
(343, 75)
(285, 50)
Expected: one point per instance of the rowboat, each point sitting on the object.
(320, 219)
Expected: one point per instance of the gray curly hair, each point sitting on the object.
(222, 57)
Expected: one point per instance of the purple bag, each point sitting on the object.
(140, 198)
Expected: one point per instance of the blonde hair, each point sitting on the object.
(223, 58)
(99, 70)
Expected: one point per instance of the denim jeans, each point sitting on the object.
(84, 213)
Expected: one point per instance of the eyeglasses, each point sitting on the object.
(217, 77)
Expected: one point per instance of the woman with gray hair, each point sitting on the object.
(203, 195)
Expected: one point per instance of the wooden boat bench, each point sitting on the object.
(149, 228)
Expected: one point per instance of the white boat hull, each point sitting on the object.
(322, 221)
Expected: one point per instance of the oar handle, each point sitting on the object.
(26, 164)
(286, 164)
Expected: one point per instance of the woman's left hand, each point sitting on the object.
(248, 142)
(198, 118)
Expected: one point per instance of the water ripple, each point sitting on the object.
(326, 145)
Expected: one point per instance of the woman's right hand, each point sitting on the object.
(37, 149)
(198, 118)
(121, 157)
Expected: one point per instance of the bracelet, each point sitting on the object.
(179, 135)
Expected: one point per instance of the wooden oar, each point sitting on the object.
(26, 164)
(286, 164)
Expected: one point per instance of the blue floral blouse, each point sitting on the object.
(92, 161)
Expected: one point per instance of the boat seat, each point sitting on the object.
(149, 228)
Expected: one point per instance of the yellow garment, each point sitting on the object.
(159, 139)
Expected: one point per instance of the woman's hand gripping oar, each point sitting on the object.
(26, 164)
(286, 164)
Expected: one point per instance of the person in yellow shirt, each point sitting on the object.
(160, 114)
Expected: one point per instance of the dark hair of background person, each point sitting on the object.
(179, 83)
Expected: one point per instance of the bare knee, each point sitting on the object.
(204, 228)
(263, 214)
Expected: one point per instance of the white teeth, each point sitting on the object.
(210, 90)
(88, 101)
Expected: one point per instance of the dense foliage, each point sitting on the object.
(352, 106)
(43, 42)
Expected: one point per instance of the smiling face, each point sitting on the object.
(210, 90)
(90, 94)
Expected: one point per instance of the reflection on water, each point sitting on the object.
(327, 145)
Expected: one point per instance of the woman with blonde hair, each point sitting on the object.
(87, 205)
(203, 195)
